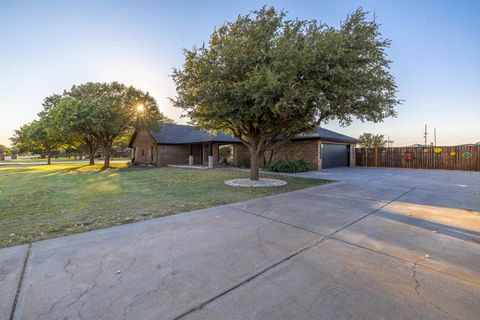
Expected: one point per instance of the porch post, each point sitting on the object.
(190, 156)
(210, 155)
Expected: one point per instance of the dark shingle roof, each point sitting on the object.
(180, 134)
(328, 135)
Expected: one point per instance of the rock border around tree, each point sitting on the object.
(262, 183)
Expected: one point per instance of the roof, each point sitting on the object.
(182, 134)
(329, 135)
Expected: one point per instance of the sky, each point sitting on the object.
(48, 46)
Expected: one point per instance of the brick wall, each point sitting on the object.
(307, 150)
(173, 154)
(241, 155)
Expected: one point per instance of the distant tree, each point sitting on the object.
(4, 149)
(14, 150)
(39, 136)
(266, 79)
(370, 140)
(225, 151)
(106, 111)
(122, 142)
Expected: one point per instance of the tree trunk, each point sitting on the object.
(107, 150)
(254, 163)
(91, 154)
(49, 157)
(272, 152)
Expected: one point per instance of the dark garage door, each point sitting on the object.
(334, 155)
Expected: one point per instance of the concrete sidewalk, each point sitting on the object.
(381, 243)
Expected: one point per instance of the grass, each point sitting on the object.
(40, 202)
(54, 159)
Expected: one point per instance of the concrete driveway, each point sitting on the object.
(378, 244)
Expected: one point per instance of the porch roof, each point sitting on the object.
(182, 134)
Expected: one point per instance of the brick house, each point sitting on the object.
(177, 144)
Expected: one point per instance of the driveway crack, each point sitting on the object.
(417, 291)
(20, 281)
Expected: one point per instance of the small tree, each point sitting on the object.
(266, 79)
(42, 135)
(4, 149)
(370, 140)
(37, 136)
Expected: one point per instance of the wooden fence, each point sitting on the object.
(447, 158)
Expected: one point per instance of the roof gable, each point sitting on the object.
(328, 135)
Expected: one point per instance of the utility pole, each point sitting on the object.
(435, 137)
(389, 142)
(425, 134)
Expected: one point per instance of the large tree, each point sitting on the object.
(106, 111)
(266, 79)
(370, 140)
(76, 123)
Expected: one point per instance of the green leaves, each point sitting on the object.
(264, 75)
(370, 140)
(266, 79)
(90, 115)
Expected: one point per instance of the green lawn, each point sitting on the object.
(56, 159)
(40, 202)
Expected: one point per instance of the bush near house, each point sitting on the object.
(290, 166)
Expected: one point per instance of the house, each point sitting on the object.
(176, 144)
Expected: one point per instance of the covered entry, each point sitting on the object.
(335, 155)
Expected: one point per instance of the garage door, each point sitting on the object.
(334, 155)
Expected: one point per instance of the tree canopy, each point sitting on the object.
(370, 140)
(38, 135)
(105, 111)
(4, 149)
(89, 116)
(266, 79)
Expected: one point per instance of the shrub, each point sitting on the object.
(290, 166)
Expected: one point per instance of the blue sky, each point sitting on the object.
(47, 46)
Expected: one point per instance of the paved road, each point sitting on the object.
(379, 244)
